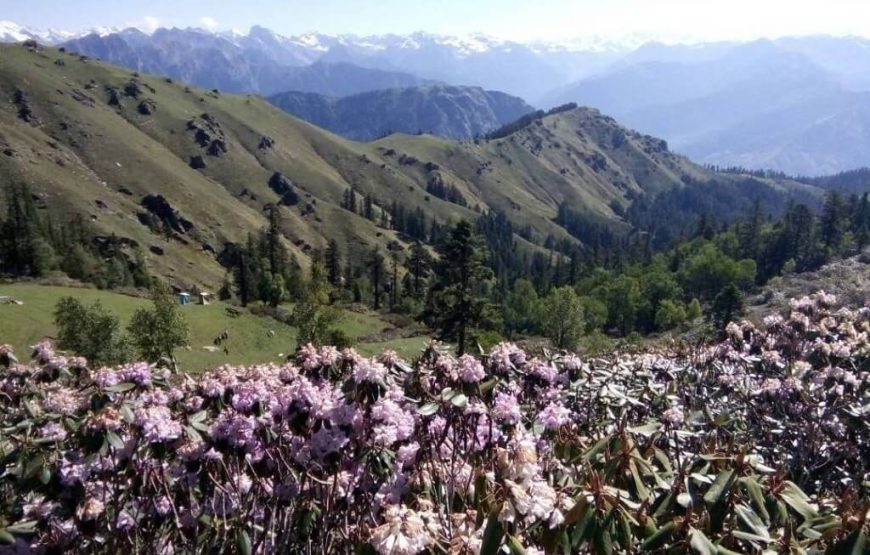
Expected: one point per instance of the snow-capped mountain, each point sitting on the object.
(12, 32)
(525, 70)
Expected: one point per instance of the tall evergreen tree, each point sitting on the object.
(377, 272)
(418, 264)
(749, 232)
(333, 263)
(455, 304)
(833, 222)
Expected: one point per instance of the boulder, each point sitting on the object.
(147, 107)
(132, 89)
(161, 209)
(280, 184)
(217, 148)
(201, 137)
(197, 162)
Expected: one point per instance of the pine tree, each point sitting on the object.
(727, 306)
(377, 271)
(394, 281)
(368, 208)
(245, 278)
(419, 264)
(275, 251)
(749, 232)
(833, 222)
(861, 221)
(455, 305)
(333, 263)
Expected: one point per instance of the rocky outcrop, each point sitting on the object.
(161, 212)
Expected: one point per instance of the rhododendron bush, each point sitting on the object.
(758, 443)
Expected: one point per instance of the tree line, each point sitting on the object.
(34, 243)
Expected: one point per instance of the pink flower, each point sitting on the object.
(506, 409)
(673, 416)
(470, 370)
(157, 424)
(554, 416)
(369, 371)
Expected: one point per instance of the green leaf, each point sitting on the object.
(854, 544)
(753, 490)
(114, 440)
(720, 488)
(22, 527)
(701, 543)
(6, 538)
(798, 500)
(243, 542)
(120, 388)
(488, 385)
(642, 490)
(127, 414)
(646, 429)
(428, 409)
(660, 538)
(492, 535)
(753, 522)
(516, 547)
(716, 498)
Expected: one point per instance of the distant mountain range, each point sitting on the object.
(796, 104)
(783, 105)
(246, 66)
(454, 112)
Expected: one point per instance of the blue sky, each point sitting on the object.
(513, 19)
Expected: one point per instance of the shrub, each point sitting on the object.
(660, 451)
(90, 331)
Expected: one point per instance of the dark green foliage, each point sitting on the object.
(833, 223)
(90, 331)
(32, 244)
(313, 315)
(419, 267)
(675, 213)
(457, 302)
(562, 317)
(727, 306)
(445, 191)
(527, 120)
(333, 264)
(158, 331)
(262, 269)
(522, 309)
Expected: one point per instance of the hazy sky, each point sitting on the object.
(511, 19)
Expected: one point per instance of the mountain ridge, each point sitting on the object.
(446, 111)
(103, 142)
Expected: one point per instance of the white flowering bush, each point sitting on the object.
(758, 443)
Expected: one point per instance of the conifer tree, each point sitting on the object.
(455, 304)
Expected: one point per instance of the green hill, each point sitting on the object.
(456, 112)
(93, 139)
(252, 338)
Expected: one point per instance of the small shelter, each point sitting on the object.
(204, 297)
(184, 298)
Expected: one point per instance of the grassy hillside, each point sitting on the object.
(97, 139)
(252, 339)
(445, 111)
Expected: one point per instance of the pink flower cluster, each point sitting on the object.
(336, 450)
